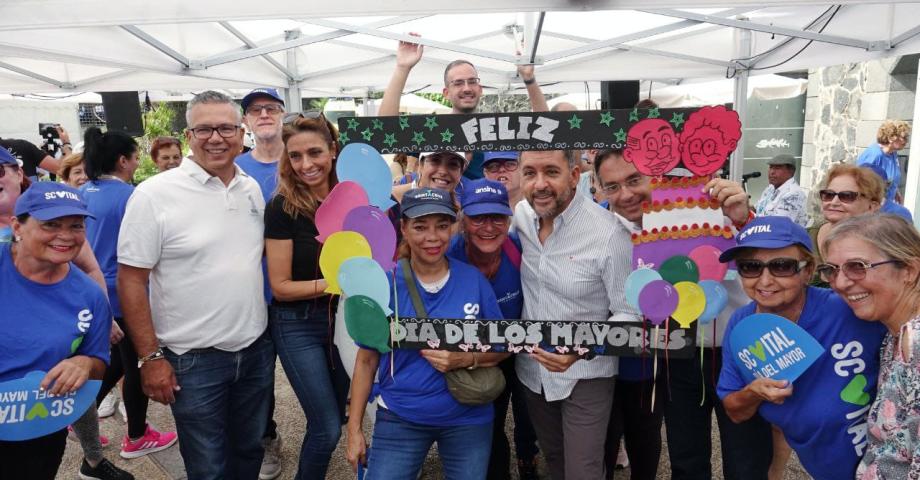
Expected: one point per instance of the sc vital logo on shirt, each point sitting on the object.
(849, 364)
(27, 412)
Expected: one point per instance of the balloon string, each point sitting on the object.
(654, 370)
(702, 369)
(713, 366)
(667, 359)
(396, 320)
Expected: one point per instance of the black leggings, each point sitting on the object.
(36, 459)
(124, 362)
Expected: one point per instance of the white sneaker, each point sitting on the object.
(107, 407)
(121, 410)
(622, 458)
(271, 462)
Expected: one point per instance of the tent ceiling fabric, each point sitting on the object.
(347, 47)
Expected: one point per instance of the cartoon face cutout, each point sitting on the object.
(709, 137)
(652, 146)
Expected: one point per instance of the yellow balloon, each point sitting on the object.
(691, 303)
(337, 248)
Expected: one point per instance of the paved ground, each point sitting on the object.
(167, 465)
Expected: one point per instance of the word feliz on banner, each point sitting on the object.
(626, 339)
(522, 131)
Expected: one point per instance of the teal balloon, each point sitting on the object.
(716, 300)
(364, 276)
(636, 281)
(366, 323)
(679, 268)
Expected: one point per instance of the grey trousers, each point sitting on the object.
(87, 431)
(572, 432)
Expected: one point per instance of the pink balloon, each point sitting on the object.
(658, 300)
(707, 261)
(330, 216)
(377, 229)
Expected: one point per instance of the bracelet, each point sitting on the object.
(530, 82)
(475, 362)
(739, 226)
(156, 355)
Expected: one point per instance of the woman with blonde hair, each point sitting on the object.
(73, 171)
(848, 191)
(892, 136)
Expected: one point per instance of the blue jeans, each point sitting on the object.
(399, 449)
(316, 374)
(222, 408)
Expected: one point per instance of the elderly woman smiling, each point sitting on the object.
(775, 262)
(873, 262)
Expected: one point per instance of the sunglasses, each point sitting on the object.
(852, 269)
(14, 168)
(779, 267)
(290, 117)
(845, 196)
(449, 160)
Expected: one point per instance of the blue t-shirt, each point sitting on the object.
(874, 155)
(507, 281)
(826, 432)
(106, 199)
(890, 206)
(267, 176)
(417, 392)
(44, 324)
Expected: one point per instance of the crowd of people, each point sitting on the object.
(210, 270)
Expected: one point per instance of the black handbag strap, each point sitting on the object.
(409, 278)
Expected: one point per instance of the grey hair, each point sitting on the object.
(210, 96)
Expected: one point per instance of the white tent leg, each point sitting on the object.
(912, 187)
(292, 99)
(743, 50)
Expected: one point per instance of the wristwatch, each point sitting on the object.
(156, 355)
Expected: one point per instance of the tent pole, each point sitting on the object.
(292, 97)
(912, 188)
(742, 50)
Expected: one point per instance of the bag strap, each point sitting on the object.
(409, 277)
(512, 252)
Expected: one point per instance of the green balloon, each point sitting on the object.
(679, 268)
(366, 323)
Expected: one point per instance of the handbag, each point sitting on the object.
(479, 386)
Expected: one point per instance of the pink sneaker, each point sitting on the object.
(71, 435)
(152, 441)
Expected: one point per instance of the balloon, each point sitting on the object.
(330, 215)
(362, 163)
(340, 246)
(706, 258)
(377, 229)
(716, 300)
(635, 281)
(366, 323)
(363, 276)
(691, 303)
(679, 269)
(658, 300)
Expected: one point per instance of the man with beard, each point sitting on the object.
(575, 261)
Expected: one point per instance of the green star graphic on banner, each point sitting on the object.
(634, 115)
(621, 135)
(431, 123)
(677, 119)
(352, 124)
(378, 124)
(418, 138)
(389, 139)
(574, 122)
(403, 122)
(447, 136)
(653, 113)
(343, 137)
(606, 118)
(367, 134)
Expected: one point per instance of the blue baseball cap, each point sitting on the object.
(485, 197)
(768, 232)
(49, 200)
(260, 92)
(419, 202)
(493, 156)
(7, 158)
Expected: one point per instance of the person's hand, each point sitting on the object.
(444, 361)
(732, 197)
(67, 376)
(769, 390)
(356, 449)
(159, 381)
(553, 362)
(525, 72)
(62, 134)
(408, 54)
(116, 334)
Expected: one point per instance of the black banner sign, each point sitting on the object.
(626, 339)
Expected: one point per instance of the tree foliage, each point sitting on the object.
(158, 122)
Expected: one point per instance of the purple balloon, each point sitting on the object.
(376, 227)
(658, 300)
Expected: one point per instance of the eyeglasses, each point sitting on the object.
(14, 168)
(497, 166)
(204, 133)
(853, 269)
(631, 183)
(847, 196)
(271, 108)
(498, 221)
(779, 267)
(459, 83)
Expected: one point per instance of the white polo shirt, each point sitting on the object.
(203, 242)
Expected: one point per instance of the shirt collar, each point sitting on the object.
(192, 169)
(787, 183)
